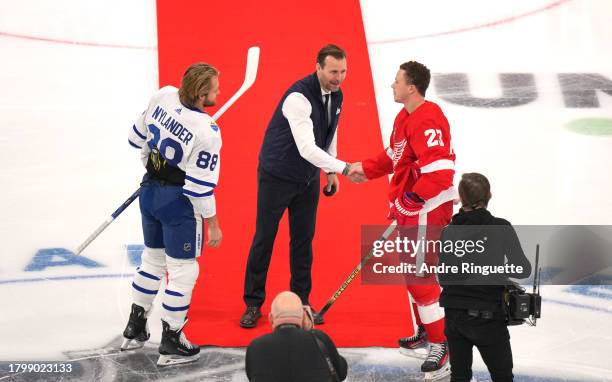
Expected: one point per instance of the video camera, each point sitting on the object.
(521, 306)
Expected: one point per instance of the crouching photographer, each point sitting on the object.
(473, 292)
(294, 351)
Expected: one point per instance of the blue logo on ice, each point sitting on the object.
(53, 259)
(134, 253)
(58, 257)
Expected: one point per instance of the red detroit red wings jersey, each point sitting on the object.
(420, 157)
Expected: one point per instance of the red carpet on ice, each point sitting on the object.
(364, 315)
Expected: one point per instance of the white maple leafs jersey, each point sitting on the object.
(188, 139)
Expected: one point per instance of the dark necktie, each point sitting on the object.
(326, 106)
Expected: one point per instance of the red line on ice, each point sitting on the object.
(474, 27)
(82, 43)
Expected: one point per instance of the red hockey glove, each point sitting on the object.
(408, 205)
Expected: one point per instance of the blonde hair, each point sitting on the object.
(196, 82)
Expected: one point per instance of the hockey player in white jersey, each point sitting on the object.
(179, 146)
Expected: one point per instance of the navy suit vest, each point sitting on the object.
(279, 154)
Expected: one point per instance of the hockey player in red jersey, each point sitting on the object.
(421, 193)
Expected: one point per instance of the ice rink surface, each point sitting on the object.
(515, 79)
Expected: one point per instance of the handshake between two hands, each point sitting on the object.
(356, 174)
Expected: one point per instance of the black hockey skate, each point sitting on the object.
(175, 348)
(136, 332)
(436, 364)
(410, 346)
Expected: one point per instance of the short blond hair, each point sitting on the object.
(196, 82)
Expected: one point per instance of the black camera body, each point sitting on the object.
(522, 306)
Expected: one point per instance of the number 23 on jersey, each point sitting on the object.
(434, 138)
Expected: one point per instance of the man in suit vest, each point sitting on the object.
(301, 138)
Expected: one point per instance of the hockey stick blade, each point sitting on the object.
(356, 270)
(249, 79)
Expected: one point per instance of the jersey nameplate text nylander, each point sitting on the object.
(172, 125)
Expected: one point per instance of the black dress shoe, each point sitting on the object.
(250, 317)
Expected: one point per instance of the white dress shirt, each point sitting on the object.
(297, 109)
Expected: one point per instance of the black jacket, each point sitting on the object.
(291, 354)
(499, 244)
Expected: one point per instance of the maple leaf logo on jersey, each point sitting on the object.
(398, 151)
(178, 111)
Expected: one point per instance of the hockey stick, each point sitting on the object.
(249, 79)
(355, 271)
(106, 223)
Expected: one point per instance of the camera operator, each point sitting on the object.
(473, 304)
(294, 351)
